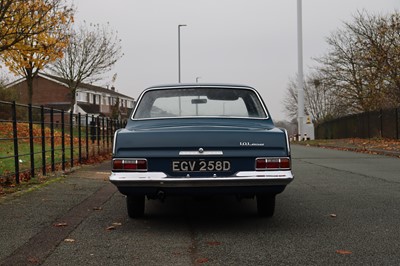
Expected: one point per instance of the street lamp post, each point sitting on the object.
(300, 82)
(179, 51)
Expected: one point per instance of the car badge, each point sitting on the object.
(201, 150)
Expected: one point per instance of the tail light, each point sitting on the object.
(134, 165)
(273, 163)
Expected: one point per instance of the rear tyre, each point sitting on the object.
(135, 206)
(265, 205)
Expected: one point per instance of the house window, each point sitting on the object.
(96, 99)
(80, 96)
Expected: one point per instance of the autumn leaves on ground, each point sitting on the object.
(372, 146)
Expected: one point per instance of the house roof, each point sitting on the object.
(90, 108)
(84, 86)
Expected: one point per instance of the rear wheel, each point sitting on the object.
(265, 205)
(135, 206)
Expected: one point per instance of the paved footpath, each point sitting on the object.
(34, 223)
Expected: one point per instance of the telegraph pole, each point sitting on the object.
(300, 79)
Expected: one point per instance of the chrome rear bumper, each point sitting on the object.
(240, 179)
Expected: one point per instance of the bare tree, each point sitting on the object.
(362, 65)
(381, 39)
(290, 101)
(320, 102)
(93, 51)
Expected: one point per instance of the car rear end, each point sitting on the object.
(201, 155)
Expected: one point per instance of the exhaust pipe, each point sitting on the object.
(161, 195)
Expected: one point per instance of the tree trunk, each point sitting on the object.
(73, 86)
(29, 81)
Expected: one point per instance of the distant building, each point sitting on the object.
(52, 91)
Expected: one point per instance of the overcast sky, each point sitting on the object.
(252, 42)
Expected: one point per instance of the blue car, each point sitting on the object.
(201, 139)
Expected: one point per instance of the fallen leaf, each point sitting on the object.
(343, 252)
(214, 243)
(110, 228)
(97, 208)
(60, 224)
(70, 240)
(33, 260)
(202, 260)
(332, 215)
(116, 224)
(176, 253)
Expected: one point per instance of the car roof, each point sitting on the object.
(200, 85)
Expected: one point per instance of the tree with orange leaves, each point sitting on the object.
(50, 20)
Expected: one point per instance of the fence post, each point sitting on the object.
(397, 123)
(102, 133)
(369, 124)
(98, 134)
(62, 141)
(43, 133)
(53, 167)
(381, 120)
(15, 136)
(79, 138)
(108, 133)
(31, 148)
(71, 137)
(87, 137)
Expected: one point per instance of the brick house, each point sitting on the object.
(52, 91)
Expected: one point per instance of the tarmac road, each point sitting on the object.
(342, 208)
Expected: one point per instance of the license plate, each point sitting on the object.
(201, 166)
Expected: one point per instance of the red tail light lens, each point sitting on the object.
(273, 163)
(130, 164)
(285, 163)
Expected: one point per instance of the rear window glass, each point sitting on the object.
(199, 102)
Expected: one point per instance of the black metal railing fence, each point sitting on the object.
(37, 140)
(378, 124)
